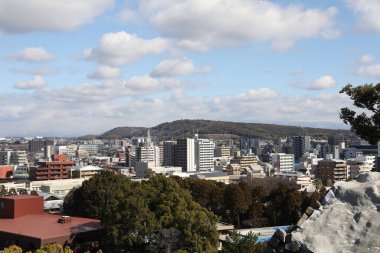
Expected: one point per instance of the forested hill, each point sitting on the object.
(219, 129)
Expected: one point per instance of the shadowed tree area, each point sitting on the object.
(366, 121)
(153, 216)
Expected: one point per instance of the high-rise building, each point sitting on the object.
(38, 145)
(184, 154)
(169, 151)
(147, 152)
(204, 154)
(298, 147)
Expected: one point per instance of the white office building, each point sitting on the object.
(282, 162)
(204, 154)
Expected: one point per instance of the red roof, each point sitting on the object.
(46, 226)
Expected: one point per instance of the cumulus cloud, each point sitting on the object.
(368, 11)
(178, 67)
(43, 71)
(17, 16)
(321, 83)
(219, 23)
(367, 58)
(366, 67)
(107, 113)
(36, 83)
(118, 48)
(371, 71)
(112, 89)
(105, 72)
(32, 54)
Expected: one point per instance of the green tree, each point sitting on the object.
(13, 249)
(235, 243)
(237, 199)
(366, 123)
(139, 216)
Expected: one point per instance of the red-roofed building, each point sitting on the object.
(6, 171)
(58, 168)
(23, 222)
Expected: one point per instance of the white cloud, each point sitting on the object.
(42, 71)
(368, 12)
(366, 67)
(371, 71)
(106, 113)
(112, 89)
(178, 67)
(17, 16)
(32, 54)
(321, 83)
(36, 83)
(367, 58)
(118, 48)
(105, 72)
(201, 25)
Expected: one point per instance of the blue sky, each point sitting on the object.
(78, 67)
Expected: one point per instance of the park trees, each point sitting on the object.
(366, 121)
(155, 215)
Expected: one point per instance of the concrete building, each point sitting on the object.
(298, 147)
(244, 161)
(360, 164)
(169, 153)
(85, 171)
(331, 170)
(143, 169)
(282, 162)
(58, 168)
(38, 145)
(185, 155)
(233, 169)
(92, 149)
(10, 157)
(204, 154)
(222, 152)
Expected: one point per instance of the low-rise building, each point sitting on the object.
(23, 222)
(84, 171)
(331, 170)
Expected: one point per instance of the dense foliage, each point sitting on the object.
(246, 206)
(365, 122)
(235, 243)
(156, 215)
(209, 128)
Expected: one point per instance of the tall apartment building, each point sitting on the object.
(298, 146)
(169, 153)
(184, 154)
(204, 154)
(58, 168)
(282, 162)
(38, 145)
(331, 170)
(10, 157)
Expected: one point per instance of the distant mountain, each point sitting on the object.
(219, 129)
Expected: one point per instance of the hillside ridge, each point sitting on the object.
(220, 129)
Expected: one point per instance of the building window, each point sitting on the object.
(2, 204)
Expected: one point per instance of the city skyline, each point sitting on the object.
(71, 68)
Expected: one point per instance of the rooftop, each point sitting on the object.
(46, 226)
